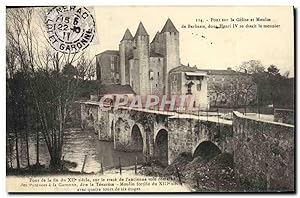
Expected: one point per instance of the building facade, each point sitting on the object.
(185, 80)
(230, 88)
(108, 67)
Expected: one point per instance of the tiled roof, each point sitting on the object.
(221, 71)
(183, 68)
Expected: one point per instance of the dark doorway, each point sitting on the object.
(136, 138)
(161, 146)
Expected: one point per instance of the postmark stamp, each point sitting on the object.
(70, 29)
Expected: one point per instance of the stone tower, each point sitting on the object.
(125, 49)
(141, 54)
(170, 49)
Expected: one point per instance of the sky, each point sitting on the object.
(221, 48)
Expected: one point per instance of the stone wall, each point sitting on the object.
(89, 116)
(156, 84)
(103, 126)
(124, 123)
(284, 116)
(92, 118)
(186, 134)
(107, 73)
(263, 154)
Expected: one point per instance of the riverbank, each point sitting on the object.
(78, 145)
(201, 175)
(183, 175)
(195, 173)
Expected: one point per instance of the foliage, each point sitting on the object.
(255, 85)
(40, 80)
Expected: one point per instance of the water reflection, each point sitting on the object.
(77, 144)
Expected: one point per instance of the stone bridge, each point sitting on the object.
(161, 135)
(263, 151)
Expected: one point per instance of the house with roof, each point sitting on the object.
(190, 81)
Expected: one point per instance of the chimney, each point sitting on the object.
(229, 68)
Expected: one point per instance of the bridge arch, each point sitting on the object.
(161, 146)
(137, 138)
(206, 150)
(158, 129)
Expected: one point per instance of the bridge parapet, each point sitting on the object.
(264, 153)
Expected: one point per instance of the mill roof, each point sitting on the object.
(222, 72)
(184, 68)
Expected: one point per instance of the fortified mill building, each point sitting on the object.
(152, 68)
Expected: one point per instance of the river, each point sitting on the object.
(77, 144)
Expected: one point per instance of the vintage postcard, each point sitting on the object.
(150, 99)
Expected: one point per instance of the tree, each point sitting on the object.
(238, 91)
(257, 71)
(69, 70)
(251, 67)
(20, 64)
(49, 74)
(271, 86)
(219, 91)
(273, 71)
(84, 72)
(281, 88)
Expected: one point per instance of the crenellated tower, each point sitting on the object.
(141, 55)
(169, 39)
(125, 49)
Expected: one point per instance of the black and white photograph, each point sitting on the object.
(141, 99)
